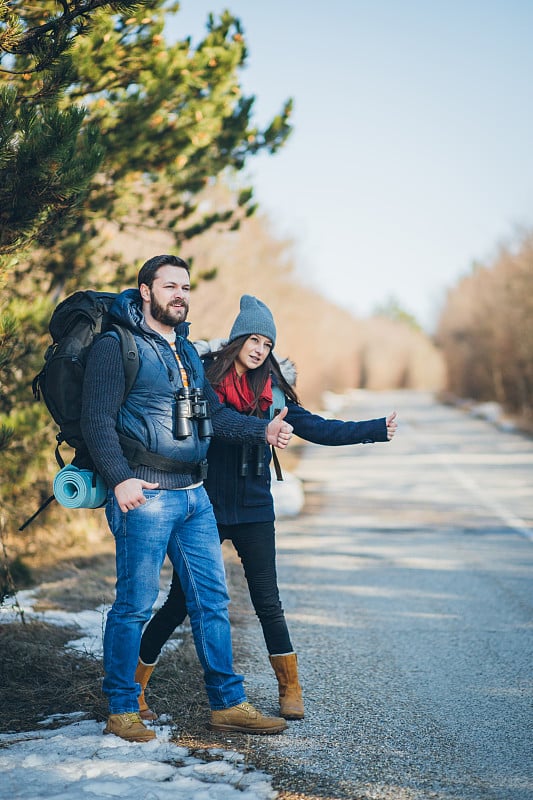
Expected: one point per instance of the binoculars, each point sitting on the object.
(257, 454)
(191, 405)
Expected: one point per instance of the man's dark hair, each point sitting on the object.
(148, 271)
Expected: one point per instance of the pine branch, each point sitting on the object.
(80, 8)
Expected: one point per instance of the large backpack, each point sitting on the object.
(74, 326)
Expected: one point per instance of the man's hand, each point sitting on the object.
(130, 495)
(278, 432)
(391, 425)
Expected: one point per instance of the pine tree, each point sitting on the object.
(47, 156)
(141, 124)
(101, 119)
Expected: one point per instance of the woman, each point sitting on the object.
(244, 372)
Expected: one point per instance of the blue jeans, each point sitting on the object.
(180, 523)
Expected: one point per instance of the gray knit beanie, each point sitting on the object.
(254, 317)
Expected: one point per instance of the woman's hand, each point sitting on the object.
(391, 425)
(278, 432)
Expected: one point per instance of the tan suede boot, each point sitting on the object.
(129, 726)
(246, 719)
(291, 705)
(142, 676)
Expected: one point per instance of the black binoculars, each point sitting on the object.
(257, 453)
(191, 405)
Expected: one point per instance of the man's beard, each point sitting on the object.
(167, 315)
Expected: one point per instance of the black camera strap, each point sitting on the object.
(277, 465)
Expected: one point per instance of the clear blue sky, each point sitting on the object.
(412, 153)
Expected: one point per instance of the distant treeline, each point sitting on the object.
(486, 331)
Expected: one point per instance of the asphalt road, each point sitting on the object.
(407, 584)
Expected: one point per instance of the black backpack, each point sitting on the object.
(74, 326)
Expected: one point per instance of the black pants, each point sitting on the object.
(255, 544)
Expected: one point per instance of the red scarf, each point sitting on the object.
(238, 393)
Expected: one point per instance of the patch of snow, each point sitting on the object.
(77, 761)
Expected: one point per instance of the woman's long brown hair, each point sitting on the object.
(218, 364)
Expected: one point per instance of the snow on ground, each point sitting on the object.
(76, 760)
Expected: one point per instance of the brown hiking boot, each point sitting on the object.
(291, 705)
(143, 674)
(129, 726)
(246, 719)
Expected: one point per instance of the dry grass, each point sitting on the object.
(40, 677)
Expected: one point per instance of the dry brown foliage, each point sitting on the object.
(486, 331)
(396, 356)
